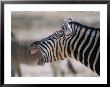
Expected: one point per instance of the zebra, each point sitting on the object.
(74, 40)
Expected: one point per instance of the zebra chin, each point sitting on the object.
(40, 62)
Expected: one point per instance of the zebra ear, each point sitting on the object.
(66, 27)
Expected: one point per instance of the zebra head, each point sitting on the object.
(52, 48)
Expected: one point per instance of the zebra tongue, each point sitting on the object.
(34, 51)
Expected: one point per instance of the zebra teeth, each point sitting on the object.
(33, 51)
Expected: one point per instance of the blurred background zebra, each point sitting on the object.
(28, 27)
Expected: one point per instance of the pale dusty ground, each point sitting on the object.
(46, 70)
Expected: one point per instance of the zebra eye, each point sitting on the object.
(57, 34)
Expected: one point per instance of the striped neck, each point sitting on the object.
(84, 46)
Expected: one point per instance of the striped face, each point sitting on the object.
(51, 48)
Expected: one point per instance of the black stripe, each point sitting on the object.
(68, 38)
(52, 50)
(46, 52)
(49, 52)
(68, 47)
(75, 27)
(97, 66)
(61, 56)
(50, 55)
(57, 50)
(94, 52)
(46, 60)
(78, 44)
(52, 41)
(60, 44)
(46, 49)
(88, 50)
(65, 49)
(76, 37)
(84, 45)
(64, 38)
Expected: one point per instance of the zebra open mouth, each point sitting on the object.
(34, 51)
(36, 54)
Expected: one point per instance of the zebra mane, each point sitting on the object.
(68, 21)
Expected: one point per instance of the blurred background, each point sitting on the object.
(27, 27)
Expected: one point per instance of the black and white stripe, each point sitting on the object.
(74, 40)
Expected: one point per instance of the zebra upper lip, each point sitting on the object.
(34, 50)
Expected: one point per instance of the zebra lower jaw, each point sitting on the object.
(40, 61)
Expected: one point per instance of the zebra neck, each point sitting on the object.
(85, 48)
